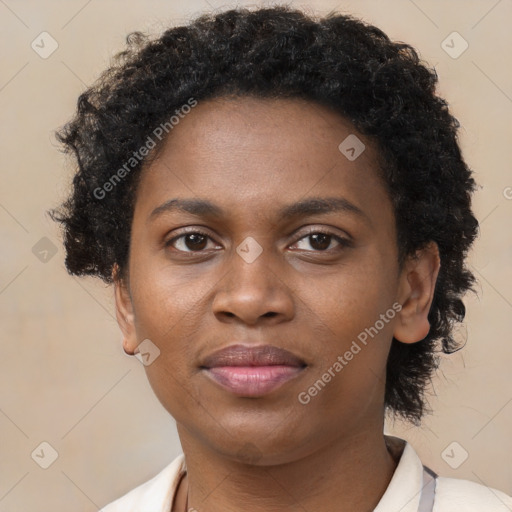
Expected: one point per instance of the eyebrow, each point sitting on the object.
(310, 206)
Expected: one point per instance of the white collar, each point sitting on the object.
(404, 490)
(402, 494)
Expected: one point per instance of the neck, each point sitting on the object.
(353, 473)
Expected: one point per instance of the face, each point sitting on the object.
(274, 237)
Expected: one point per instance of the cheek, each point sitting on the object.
(166, 299)
(170, 309)
(354, 320)
(351, 299)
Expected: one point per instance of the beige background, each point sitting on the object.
(65, 378)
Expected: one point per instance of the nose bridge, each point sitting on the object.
(252, 287)
(252, 268)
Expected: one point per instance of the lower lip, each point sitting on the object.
(252, 380)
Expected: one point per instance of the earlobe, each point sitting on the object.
(416, 293)
(125, 315)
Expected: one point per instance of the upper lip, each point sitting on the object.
(259, 355)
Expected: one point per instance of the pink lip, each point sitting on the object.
(258, 355)
(252, 370)
(251, 381)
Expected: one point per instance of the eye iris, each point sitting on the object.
(320, 241)
(195, 241)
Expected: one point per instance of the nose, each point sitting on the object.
(253, 292)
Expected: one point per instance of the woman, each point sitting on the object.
(284, 211)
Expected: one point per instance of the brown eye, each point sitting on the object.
(189, 242)
(319, 241)
(195, 241)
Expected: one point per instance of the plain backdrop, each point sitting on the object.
(65, 379)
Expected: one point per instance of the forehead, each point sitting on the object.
(267, 126)
(262, 153)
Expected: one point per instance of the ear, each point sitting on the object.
(124, 312)
(416, 292)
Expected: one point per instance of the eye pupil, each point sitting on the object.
(195, 241)
(320, 241)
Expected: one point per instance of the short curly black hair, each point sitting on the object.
(337, 61)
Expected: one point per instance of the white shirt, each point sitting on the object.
(403, 494)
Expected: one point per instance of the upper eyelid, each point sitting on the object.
(189, 232)
(327, 230)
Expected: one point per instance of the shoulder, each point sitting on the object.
(466, 496)
(155, 495)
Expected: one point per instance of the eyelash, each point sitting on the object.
(343, 242)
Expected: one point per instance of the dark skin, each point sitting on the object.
(311, 296)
